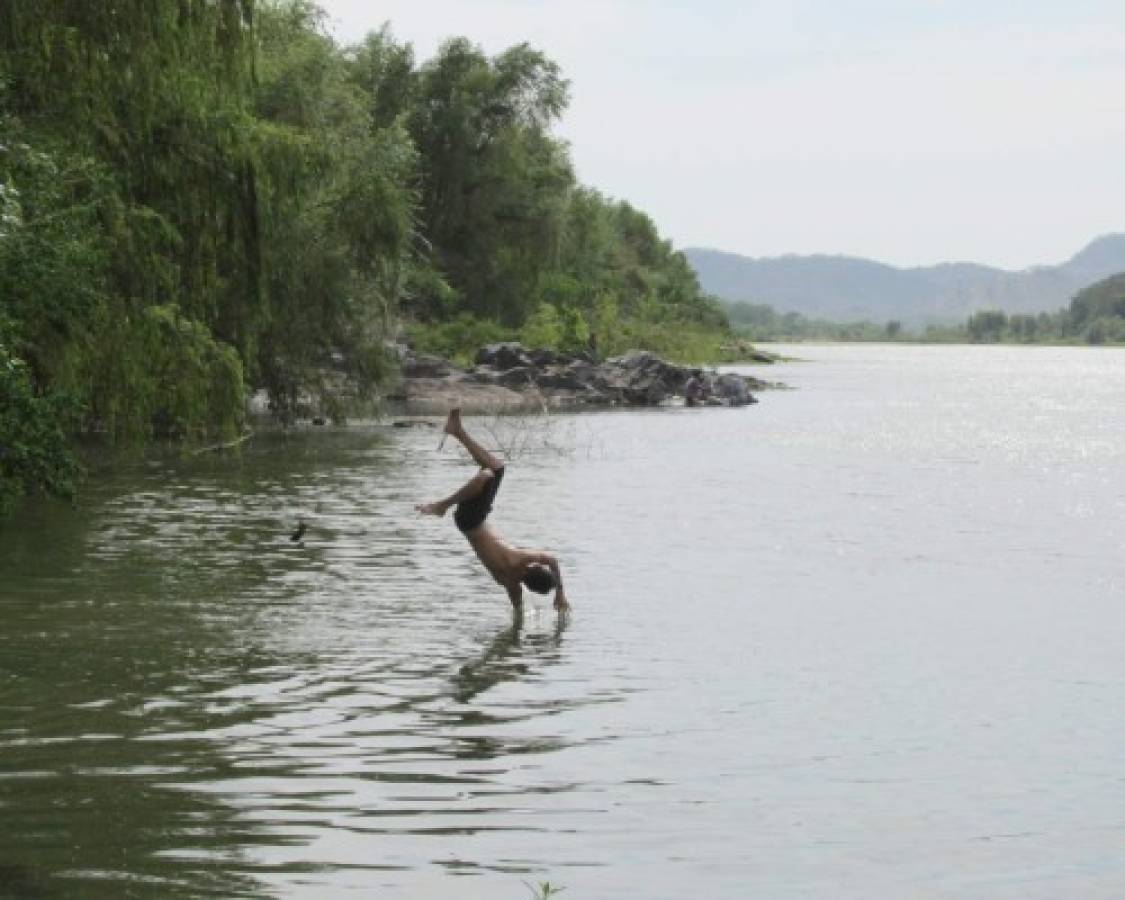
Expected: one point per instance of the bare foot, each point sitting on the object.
(453, 421)
(432, 509)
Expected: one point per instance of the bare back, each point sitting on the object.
(504, 562)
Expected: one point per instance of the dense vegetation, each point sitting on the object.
(761, 322)
(203, 197)
(1096, 315)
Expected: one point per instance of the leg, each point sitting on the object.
(469, 489)
(480, 455)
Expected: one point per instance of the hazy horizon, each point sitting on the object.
(972, 262)
(860, 128)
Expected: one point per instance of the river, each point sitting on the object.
(862, 640)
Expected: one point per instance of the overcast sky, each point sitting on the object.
(908, 131)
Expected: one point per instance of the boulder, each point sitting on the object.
(543, 356)
(505, 355)
(640, 378)
(509, 370)
(583, 370)
(732, 389)
(517, 377)
(566, 378)
(419, 365)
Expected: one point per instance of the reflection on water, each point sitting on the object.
(505, 656)
(860, 640)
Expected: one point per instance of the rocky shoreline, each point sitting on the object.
(509, 377)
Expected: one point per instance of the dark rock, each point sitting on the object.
(641, 378)
(733, 390)
(504, 356)
(542, 356)
(565, 378)
(583, 369)
(637, 378)
(419, 365)
(517, 377)
(483, 375)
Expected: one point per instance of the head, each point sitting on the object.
(539, 579)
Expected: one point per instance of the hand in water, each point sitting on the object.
(453, 421)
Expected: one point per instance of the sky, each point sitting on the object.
(906, 131)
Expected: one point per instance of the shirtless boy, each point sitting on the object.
(512, 568)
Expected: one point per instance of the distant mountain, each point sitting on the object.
(844, 288)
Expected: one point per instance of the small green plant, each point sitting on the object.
(544, 890)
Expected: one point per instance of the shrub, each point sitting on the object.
(459, 338)
(34, 454)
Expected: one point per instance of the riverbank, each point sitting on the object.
(508, 377)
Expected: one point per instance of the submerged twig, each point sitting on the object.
(215, 448)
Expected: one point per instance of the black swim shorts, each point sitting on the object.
(471, 513)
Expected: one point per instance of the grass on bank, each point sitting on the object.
(681, 342)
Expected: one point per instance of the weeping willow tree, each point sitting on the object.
(133, 124)
(195, 196)
(339, 209)
(198, 197)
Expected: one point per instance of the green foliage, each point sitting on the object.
(1105, 330)
(1096, 315)
(429, 295)
(761, 322)
(494, 182)
(339, 216)
(200, 196)
(986, 326)
(161, 374)
(34, 450)
(544, 328)
(458, 338)
(53, 259)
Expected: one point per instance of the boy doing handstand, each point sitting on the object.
(512, 567)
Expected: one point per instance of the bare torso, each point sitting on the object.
(504, 562)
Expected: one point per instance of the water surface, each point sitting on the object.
(862, 640)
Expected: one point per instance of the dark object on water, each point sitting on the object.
(319, 420)
(300, 532)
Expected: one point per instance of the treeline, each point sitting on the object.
(761, 322)
(1095, 316)
(203, 197)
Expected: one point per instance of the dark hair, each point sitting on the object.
(539, 579)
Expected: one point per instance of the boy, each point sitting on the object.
(512, 568)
